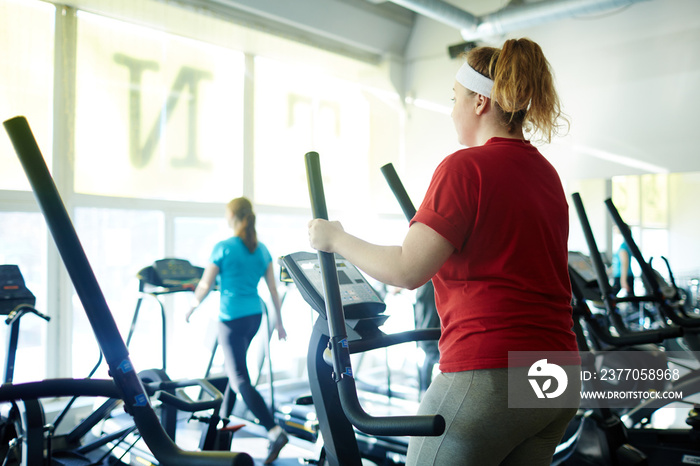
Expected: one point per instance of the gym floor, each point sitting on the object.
(250, 439)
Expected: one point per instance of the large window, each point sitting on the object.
(643, 204)
(26, 79)
(299, 109)
(23, 243)
(158, 116)
(118, 244)
(26, 88)
(151, 117)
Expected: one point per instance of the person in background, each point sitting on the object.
(623, 277)
(239, 263)
(492, 234)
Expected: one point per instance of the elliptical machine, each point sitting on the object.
(350, 313)
(125, 383)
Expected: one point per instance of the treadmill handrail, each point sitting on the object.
(99, 315)
(21, 310)
(380, 425)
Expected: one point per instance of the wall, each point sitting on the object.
(430, 135)
(625, 77)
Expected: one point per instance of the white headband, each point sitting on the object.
(474, 81)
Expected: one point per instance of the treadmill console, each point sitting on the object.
(173, 274)
(359, 298)
(13, 291)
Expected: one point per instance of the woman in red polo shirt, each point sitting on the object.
(492, 234)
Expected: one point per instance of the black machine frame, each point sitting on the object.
(331, 378)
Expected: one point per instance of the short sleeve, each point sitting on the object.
(217, 254)
(450, 203)
(266, 256)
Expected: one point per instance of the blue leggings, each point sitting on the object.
(234, 339)
(480, 428)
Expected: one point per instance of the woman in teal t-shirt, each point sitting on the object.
(623, 278)
(238, 263)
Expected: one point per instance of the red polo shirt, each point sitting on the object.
(506, 287)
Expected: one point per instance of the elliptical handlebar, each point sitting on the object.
(598, 266)
(381, 425)
(183, 403)
(397, 187)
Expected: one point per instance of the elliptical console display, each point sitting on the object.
(359, 298)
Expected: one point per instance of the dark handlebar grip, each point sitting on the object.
(329, 274)
(601, 273)
(397, 187)
(315, 180)
(431, 425)
(183, 403)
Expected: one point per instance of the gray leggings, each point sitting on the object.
(481, 429)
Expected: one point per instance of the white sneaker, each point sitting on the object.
(278, 439)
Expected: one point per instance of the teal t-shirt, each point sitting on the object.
(616, 263)
(239, 274)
